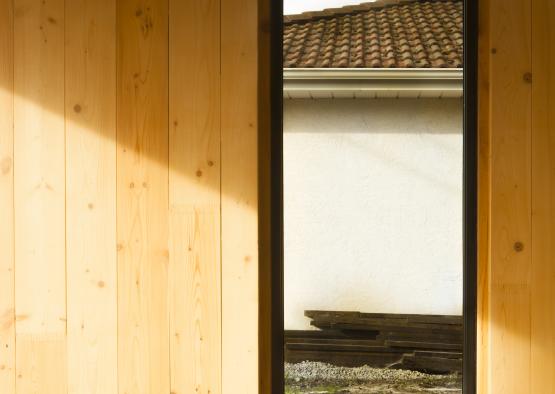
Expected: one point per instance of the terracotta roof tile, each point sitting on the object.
(382, 34)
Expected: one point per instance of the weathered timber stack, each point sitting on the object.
(427, 343)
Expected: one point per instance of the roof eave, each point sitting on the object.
(370, 82)
(372, 73)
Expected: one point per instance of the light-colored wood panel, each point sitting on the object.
(7, 307)
(195, 300)
(39, 190)
(194, 102)
(142, 196)
(511, 138)
(484, 198)
(39, 166)
(41, 364)
(91, 196)
(543, 203)
(240, 197)
(195, 269)
(509, 324)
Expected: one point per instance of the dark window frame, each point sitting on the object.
(470, 195)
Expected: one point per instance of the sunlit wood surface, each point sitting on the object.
(516, 315)
(129, 197)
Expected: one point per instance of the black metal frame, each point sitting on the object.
(276, 195)
(470, 195)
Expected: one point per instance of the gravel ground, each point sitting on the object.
(320, 378)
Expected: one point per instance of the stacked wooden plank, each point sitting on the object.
(427, 343)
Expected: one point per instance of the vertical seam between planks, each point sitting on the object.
(531, 185)
(169, 270)
(12, 49)
(116, 187)
(65, 185)
(116, 81)
(66, 279)
(489, 261)
(221, 311)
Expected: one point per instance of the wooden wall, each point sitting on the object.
(129, 196)
(517, 197)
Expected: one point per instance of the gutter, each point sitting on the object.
(367, 82)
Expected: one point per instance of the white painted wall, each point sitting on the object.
(373, 206)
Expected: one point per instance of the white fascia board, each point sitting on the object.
(363, 80)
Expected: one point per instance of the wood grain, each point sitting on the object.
(7, 278)
(39, 183)
(511, 248)
(105, 169)
(195, 269)
(90, 86)
(142, 196)
(484, 199)
(194, 104)
(240, 261)
(195, 301)
(543, 202)
(41, 364)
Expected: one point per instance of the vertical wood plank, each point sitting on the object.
(7, 307)
(511, 247)
(543, 203)
(194, 102)
(195, 301)
(240, 197)
(195, 270)
(484, 199)
(142, 196)
(39, 182)
(91, 196)
(41, 367)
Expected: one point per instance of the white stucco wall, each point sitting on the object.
(373, 206)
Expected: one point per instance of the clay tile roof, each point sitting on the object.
(382, 34)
